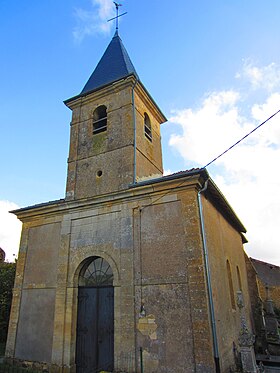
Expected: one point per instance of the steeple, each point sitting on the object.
(115, 129)
(114, 65)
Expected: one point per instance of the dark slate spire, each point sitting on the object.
(115, 64)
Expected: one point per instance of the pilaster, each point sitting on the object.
(17, 291)
(60, 327)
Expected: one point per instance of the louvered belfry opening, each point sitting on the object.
(100, 119)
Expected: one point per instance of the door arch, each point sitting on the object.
(95, 317)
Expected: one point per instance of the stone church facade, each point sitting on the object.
(132, 271)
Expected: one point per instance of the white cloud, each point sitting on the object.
(90, 22)
(10, 228)
(167, 172)
(214, 126)
(248, 174)
(265, 77)
(260, 113)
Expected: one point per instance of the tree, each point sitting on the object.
(7, 277)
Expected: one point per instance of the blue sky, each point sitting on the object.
(212, 67)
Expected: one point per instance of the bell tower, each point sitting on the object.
(115, 129)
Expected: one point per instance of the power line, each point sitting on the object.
(208, 164)
(244, 137)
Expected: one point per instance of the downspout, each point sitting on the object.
(134, 132)
(208, 280)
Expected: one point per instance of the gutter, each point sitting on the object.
(208, 280)
(175, 176)
(134, 132)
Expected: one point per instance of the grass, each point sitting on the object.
(12, 369)
(4, 368)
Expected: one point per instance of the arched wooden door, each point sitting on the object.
(95, 320)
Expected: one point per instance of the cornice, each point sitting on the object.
(132, 195)
(130, 81)
(94, 95)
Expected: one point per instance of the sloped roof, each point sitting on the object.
(114, 65)
(268, 273)
(212, 192)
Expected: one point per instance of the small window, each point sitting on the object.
(100, 119)
(239, 278)
(230, 286)
(147, 127)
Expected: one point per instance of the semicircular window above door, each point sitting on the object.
(96, 273)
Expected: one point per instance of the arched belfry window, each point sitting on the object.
(100, 119)
(147, 127)
(230, 283)
(96, 273)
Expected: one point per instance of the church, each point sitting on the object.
(132, 271)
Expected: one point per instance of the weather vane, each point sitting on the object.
(117, 16)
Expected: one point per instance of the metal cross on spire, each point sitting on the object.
(117, 16)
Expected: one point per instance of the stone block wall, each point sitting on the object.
(32, 315)
(151, 237)
(270, 291)
(228, 275)
(104, 162)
